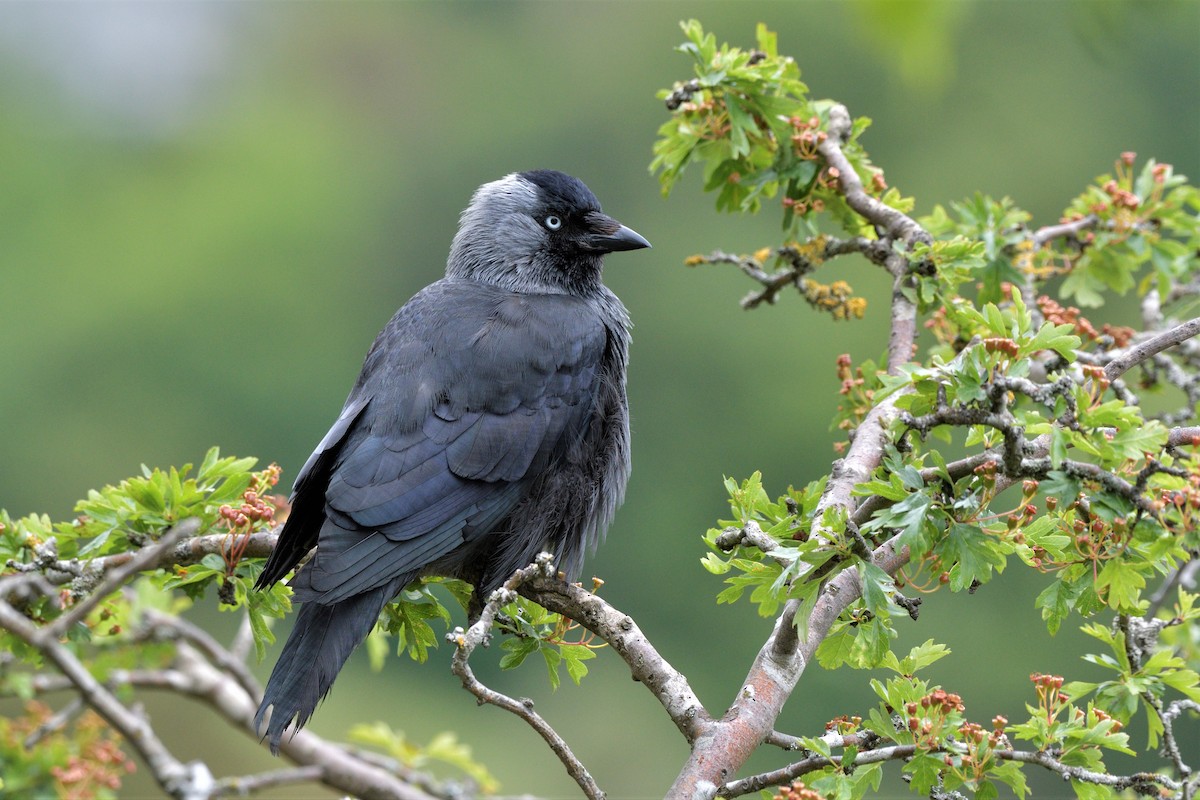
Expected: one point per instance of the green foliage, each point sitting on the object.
(82, 761)
(134, 514)
(788, 522)
(135, 511)
(734, 120)
(529, 628)
(533, 630)
(408, 616)
(1055, 723)
(443, 748)
(748, 119)
(1012, 377)
(1146, 681)
(975, 242)
(1147, 218)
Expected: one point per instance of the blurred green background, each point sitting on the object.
(209, 210)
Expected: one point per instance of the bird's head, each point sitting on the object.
(538, 231)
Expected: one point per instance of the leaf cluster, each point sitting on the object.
(82, 760)
(558, 641)
(747, 119)
(1013, 379)
(1147, 218)
(944, 750)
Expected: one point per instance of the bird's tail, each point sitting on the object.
(323, 638)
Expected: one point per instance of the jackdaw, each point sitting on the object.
(489, 423)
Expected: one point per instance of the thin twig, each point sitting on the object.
(245, 785)
(1142, 782)
(59, 720)
(1070, 229)
(116, 577)
(477, 634)
(175, 778)
(1150, 347)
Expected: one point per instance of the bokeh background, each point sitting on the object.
(209, 210)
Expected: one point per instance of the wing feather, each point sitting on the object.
(467, 396)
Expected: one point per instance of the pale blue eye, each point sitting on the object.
(553, 222)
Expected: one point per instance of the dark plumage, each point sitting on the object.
(489, 423)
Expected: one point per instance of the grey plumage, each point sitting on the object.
(489, 422)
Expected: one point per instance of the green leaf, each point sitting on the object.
(918, 658)
(925, 770)
(1010, 773)
(908, 516)
(1146, 437)
(516, 651)
(973, 554)
(836, 648)
(553, 659)
(443, 747)
(986, 790)
(1092, 791)
(1056, 602)
(1124, 584)
(877, 588)
(573, 656)
(377, 648)
(997, 272)
(1059, 338)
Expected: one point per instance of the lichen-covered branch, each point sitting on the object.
(1150, 347)
(84, 575)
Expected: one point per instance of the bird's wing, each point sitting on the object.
(469, 394)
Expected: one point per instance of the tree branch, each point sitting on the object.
(192, 675)
(176, 779)
(725, 745)
(895, 224)
(1071, 229)
(249, 784)
(85, 574)
(116, 577)
(647, 666)
(479, 633)
(783, 775)
(1140, 782)
(1150, 347)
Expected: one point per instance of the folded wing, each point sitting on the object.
(468, 395)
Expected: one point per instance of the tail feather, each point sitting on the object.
(323, 638)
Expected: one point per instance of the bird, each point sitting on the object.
(489, 423)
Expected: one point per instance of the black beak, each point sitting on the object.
(606, 235)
